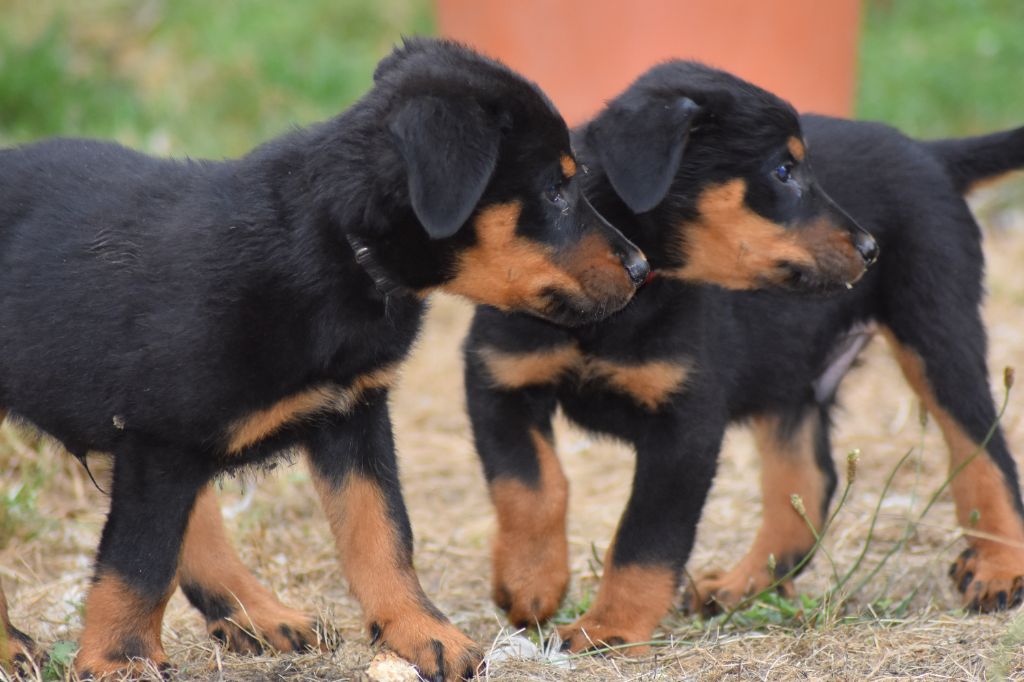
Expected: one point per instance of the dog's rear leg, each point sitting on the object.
(15, 646)
(796, 459)
(352, 460)
(951, 378)
(153, 492)
(240, 612)
(515, 443)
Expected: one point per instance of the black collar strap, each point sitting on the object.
(368, 262)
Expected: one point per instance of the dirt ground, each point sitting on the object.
(282, 535)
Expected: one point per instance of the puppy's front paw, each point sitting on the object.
(591, 632)
(284, 631)
(714, 592)
(437, 648)
(529, 583)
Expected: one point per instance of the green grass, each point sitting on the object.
(25, 476)
(206, 79)
(942, 67)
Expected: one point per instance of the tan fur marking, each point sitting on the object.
(600, 272)
(209, 561)
(796, 148)
(978, 489)
(10, 645)
(630, 603)
(730, 245)
(531, 550)
(980, 485)
(516, 370)
(381, 577)
(787, 468)
(4, 618)
(5, 630)
(327, 398)
(505, 270)
(568, 165)
(116, 615)
(651, 384)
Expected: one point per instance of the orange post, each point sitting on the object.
(583, 52)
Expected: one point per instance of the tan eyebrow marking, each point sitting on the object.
(568, 165)
(796, 148)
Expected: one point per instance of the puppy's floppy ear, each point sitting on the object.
(640, 146)
(450, 149)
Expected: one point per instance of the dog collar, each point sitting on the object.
(368, 262)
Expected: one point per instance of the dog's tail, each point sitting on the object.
(970, 160)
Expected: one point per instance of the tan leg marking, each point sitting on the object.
(518, 370)
(381, 577)
(14, 644)
(787, 468)
(989, 572)
(255, 427)
(531, 550)
(122, 630)
(631, 601)
(209, 562)
(650, 384)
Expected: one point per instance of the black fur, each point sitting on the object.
(147, 305)
(760, 353)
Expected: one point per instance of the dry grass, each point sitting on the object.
(283, 537)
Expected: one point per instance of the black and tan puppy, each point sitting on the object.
(728, 188)
(192, 317)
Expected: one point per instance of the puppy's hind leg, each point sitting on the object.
(240, 612)
(15, 646)
(953, 384)
(796, 459)
(153, 493)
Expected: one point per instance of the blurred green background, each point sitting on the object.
(213, 79)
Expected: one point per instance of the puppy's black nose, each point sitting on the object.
(637, 267)
(867, 247)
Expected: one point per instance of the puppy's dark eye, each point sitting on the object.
(553, 193)
(783, 172)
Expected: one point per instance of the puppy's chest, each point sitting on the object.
(649, 382)
(358, 373)
(320, 399)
